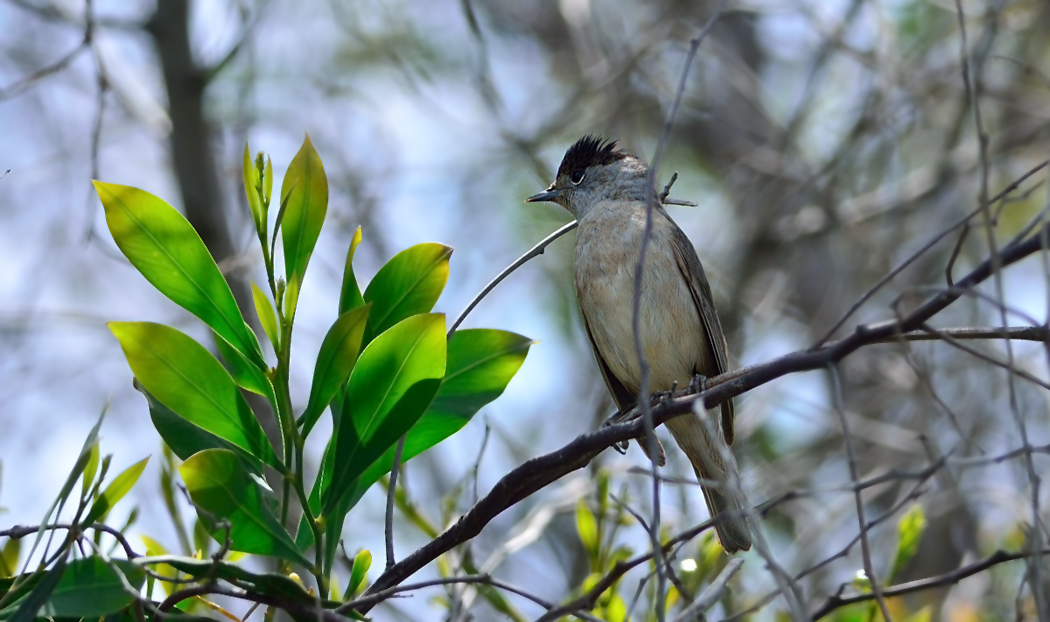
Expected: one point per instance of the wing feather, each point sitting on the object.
(693, 272)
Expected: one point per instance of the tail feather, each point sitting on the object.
(726, 508)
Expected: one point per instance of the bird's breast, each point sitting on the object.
(608, 245)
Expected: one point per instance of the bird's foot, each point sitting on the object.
(633, 414)
(697, 384)
(621, 417)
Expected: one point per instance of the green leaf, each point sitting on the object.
(391, 386)
(91, 588)
(26, 608)
(115, 491)
(268, 180)
(272, 584)
(163, 246)
(89, 471)
(267, 317)
(245, 374)
(252, 186)
(481, 362)
(219, 483)
(909, 530)
(362, 562)
(335, 361)
(78, 468)
(304, 195)
(186, 378)
(350, 294)
(184, 438)
(409, 284)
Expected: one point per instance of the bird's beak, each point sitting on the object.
(550, 194)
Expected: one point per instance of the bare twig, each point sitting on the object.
(535, 251)
(639, 270)
(391, 491)
(851, 459)
(949, 578)
(711, 594)
(926, 247)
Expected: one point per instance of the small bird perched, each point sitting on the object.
(608, 191)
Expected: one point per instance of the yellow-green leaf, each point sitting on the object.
(587, 527)
(304, 194)
(155, 549)
(266, 314)
(350, 293)
(115, 491)
(252, 186)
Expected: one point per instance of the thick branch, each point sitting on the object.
(538, 472)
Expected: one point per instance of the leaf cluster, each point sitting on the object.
(386, 372)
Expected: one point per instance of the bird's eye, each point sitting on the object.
(577, 178)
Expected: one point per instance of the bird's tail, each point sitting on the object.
(703, 449)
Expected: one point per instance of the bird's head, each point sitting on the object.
(594, 170)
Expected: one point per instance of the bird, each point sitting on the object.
(609, 192)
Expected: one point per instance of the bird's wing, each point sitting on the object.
(693, 272)
(624, 399)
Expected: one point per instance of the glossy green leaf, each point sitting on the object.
(409, 284)
(391, 386)
(481, 362)
(91, 588)
(246, 375)
(187, 379)
(335, 361)
(350, 293)
(219, 483)
(115, 491)
(184, 438)
(304, 197)
(252, 186)
(267, 316)
(163, 246)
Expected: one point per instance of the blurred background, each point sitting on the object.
(824, 141)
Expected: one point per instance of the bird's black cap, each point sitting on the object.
(588, 151)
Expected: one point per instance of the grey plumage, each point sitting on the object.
(606, 190)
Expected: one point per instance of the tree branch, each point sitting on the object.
(541, 471)
(949, 578)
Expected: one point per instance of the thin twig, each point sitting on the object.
(926, 247)
(391, 491)
(636, 300)
(535, 251)
(851, 459)
(949, 578)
